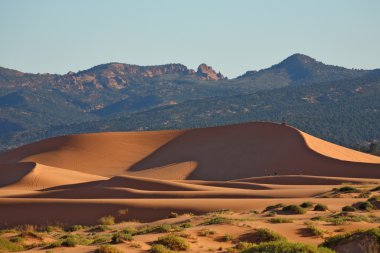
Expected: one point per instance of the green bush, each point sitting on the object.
(313, 229)
(307, 204)
(7, 245)
(218, 220)
(186, 225)
(266, 235)
(285, 247)
(120, 237)
(107, 220)
(159, 248)
(173, 242)
(348, 189)
(270, 208)
(365, 206)
(348, 209)
(294, 209)
(107, 249)
(320, 207)
(280, 220)
(72, 240)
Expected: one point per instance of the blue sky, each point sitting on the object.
(232, 36)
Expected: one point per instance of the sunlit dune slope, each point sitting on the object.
(216, 153)
(32, 176)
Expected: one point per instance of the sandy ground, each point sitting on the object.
(78, 179)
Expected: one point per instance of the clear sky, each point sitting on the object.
(232, 36)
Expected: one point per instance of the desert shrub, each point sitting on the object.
(273, 207)
(320, 207)
(159, 248)
(74, 228)
(365, 206)
(374, 198)
(173, 215)
(218, 220)
(244, 245)
(294, 209)
(266, 235)
(16, 239)
(227, 238)
(107, 220)
(99, 228)
(69, 242)
(7, 245)
(173, 242)
(72, 240)
(348, 209)
(206, 232)
(313, 229)
(162, 228)
(120, 237)
(307, 204)
(377, 188)
(286, 247)
(364, 195)
(186, 225)
(348, 189)
(107, 249)
(280, 220)
(129, 230)
(356, 236)
(102, 238)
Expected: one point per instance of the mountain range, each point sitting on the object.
(331, 102)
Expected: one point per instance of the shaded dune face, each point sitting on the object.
(256, 149)
(217, 153)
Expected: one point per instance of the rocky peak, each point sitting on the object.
(206, 72)
(299, 59)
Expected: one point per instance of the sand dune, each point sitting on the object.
(79, 178)
(217, 153)
(32, 176)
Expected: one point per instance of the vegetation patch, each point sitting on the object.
(273, 207)
(348, 209)
(173, 242)
(357, 241)
(320, 207)
(307, 204)
(120, 237)
(364, 206)
(107, 220)
(286, 247)
(294, 209)
(107, 249)
(7, 245)
(218, 220)
(348, 189)
(313, 230)
(260, 235)
(280, 220)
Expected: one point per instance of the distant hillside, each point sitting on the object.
(315, 97)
